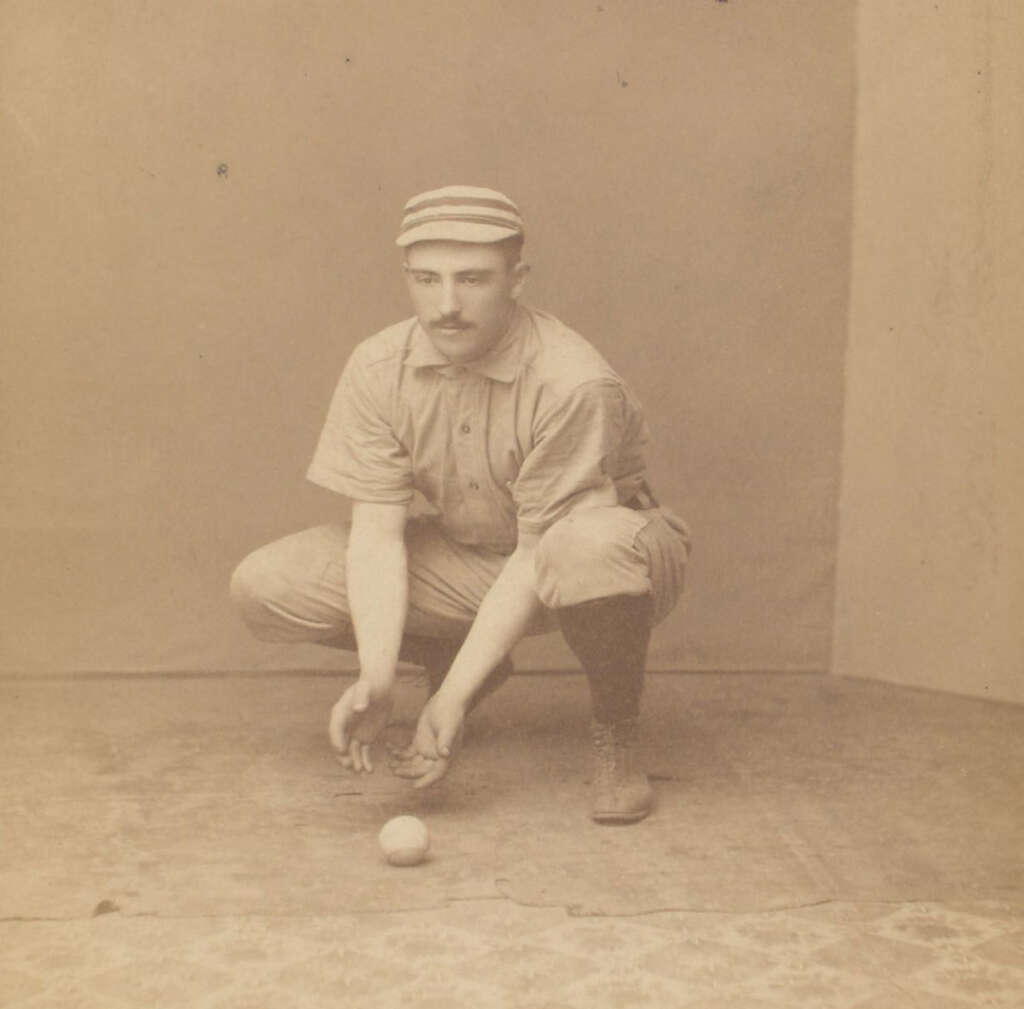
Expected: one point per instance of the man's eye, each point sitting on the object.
(472, 281)
(425, 278)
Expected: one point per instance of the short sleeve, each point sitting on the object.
(568, 466)
(358, 453)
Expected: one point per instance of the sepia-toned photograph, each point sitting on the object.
(511, 505)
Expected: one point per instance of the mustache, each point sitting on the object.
(451, 322)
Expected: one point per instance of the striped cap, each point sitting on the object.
(459, 214)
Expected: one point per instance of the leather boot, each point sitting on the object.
(620, 791)
(609, 637)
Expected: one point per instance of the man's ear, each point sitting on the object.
(520, 271)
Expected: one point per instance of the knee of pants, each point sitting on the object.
(256, 585)
(590, 554)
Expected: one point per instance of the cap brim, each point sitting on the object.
(455, 231)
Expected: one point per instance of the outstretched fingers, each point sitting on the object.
(361, 756)
(356, 757)
(422, 771)
(435, 773)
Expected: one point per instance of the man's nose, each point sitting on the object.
(449, 304)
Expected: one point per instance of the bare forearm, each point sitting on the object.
(502, 620)
(377, 583)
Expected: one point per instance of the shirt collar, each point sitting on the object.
(500, 363)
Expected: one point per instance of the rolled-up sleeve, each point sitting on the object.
(569, 464)
(359, 454)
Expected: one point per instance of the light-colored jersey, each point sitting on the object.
(511, 442)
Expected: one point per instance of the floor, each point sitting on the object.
(190, 842)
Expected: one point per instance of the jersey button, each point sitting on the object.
(473, 485)
(465, 429)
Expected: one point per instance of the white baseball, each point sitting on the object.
(404, 840)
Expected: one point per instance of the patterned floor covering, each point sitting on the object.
(188, 842)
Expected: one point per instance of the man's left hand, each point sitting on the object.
(438, 732)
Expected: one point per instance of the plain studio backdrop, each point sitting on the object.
(199, 208)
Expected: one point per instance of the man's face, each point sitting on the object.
(463, 294)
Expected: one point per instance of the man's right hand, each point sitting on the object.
(356, 721)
